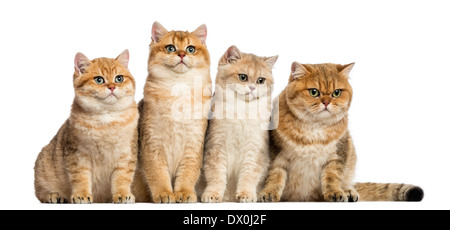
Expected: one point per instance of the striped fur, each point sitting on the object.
(171, 147)
(313, 155)
(93, 156)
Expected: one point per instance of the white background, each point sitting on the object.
(399, 118)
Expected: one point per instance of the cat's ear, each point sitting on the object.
(158, 31)
(345, 69)
(270, 61)
(123, 58)
(297, 70)
(201, 33)
(81, 63)
(232, 54)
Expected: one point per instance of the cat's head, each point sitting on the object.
(248, 75)
(179, 51)
(103, 83)
(319, 92)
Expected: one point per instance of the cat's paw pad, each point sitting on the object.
(352, 195)
(54, 198)
(212, 197)
(269, 196)
(185, 197)
(164, 197)
(125, 198)
(79, 198)
(335, 196)
(246, 197)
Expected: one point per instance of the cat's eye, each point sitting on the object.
(314, 92)
(99, 80)
(260, 81)
(337, 93)
(118, 79)
(171, 48)
(243, 77)
(190, 49)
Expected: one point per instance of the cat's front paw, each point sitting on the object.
(185, 197)
(351, 195)
(164, 197)
(81, 198)
(123, 198)
(212, 197)
(246, 197)
(268, 195)
(55, 198)
(335, 196)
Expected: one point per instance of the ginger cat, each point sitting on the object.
(313, 154)
(93, 156)
(237, 141)
(173, 116)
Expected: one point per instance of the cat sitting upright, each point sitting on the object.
(173, 116)
(237, 140)
(313, 154)
(93, 156)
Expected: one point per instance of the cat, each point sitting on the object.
(93, 156)
(236, 146)
(313, 154)
(174, 115)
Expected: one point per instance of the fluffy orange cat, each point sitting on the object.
(173, 116)
(93, 156)
(313, 154)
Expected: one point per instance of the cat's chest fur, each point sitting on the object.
(305, 165)
(178, 104)
(105, 144)
(243, 144)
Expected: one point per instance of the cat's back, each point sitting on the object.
(52, 157)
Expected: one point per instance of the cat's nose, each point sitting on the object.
(252, 87)
(112, 87)
(182, 55)
(326, 103)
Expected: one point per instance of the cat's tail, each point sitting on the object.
(388, 192)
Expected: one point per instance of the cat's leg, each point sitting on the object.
(79, 169)
(156, 171)
(215, 171)
(275, 182)
(331, 180)
(188, 172)
(252, 169)
(122, 178)
(349, 172)
(337, 174)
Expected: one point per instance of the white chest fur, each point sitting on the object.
(245, 145)
(305, 167)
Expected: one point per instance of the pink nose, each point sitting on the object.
(252, 88)
(111, 87)
(326, 103)
(181, 55)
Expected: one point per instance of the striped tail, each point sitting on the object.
(388, 192)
